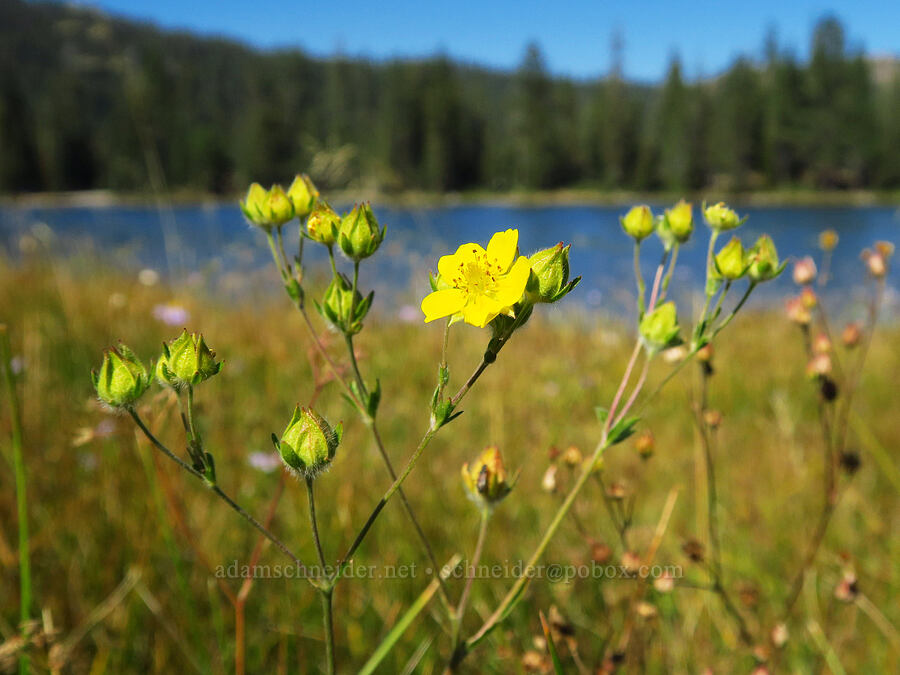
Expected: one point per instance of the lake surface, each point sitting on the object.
(186, 239)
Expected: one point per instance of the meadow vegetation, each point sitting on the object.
(130, 556)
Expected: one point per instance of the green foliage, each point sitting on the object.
(125, 106)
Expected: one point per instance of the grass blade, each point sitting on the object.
(400, 627)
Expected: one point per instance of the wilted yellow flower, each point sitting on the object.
(479, 284)
(485, 479)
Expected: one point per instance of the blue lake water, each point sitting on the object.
(200, 238)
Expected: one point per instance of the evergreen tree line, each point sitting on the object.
(88, 101)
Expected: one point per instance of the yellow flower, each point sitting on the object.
(476, 284)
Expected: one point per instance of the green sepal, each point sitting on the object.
(622, 430)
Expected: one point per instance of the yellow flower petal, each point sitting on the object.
(480, 310)
(501, 249)
(511, 287)
(449, 265)
(442, 303)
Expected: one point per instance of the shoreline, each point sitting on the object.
(563, 197)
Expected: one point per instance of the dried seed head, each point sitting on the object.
(804, 271)
(851, 335)
(693, 549)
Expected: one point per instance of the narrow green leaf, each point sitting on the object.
(400, 627)
(551, 646)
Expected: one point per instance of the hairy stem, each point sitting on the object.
(218, 491)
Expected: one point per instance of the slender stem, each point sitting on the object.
(325, 593)
(444, 345)
(622, 385)
(829, 494)
(525, 577)
(736, 309)
(195, 436)
(334, 270)
(463, 390)
(712, 506)
(656, 281)
(476, 558)
(275, 256)
(588, 469)
(287, 265)
(21, 497)
(639, 276)
(634, 394)
(328, 624)
(313, 522)
(620, 527)
(218, 491)
(459, 613)
(668, 277)
(395, 486)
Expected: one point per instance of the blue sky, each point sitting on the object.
(574, 36)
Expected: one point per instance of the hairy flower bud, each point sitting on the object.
(186, 360)
(804, 271)
(485, 480)
(267, 208)
(360, 236)
(764, 265)
(344, 308)
(308, 443)
(731, 261)
(323, 224)
(680, 221)
(659, 329)
(122, 378)
(720, 217)
(638, 222)
(303, 195)
(549, 280)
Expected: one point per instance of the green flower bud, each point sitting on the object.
(359, 236)
(731, 261)
(303, 195)
(186, 360)
(342, 308)
(764, 264)
(486, 480)
(720, 217)
(659, 328)
(638, 222)
(323, 224)
(549, 279)
(680, 221)
(267, 209)
(308, 443)
(122, 378)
